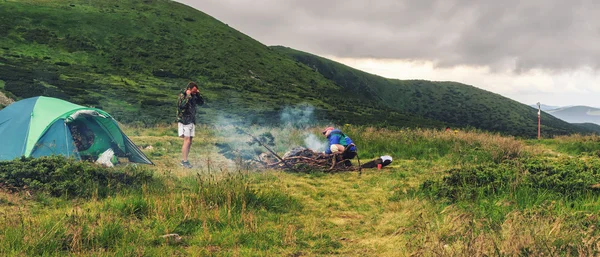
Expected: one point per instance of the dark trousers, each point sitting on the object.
(346, 156)
(373, 163)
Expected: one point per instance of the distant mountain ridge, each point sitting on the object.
(577, 114)
(545, 107)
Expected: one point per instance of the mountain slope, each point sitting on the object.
(450, 102)
(132, 57)
(589, 126)
(577, 114)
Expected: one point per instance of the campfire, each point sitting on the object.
(298, 159)
(301, 159)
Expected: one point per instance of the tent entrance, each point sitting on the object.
(95, 132)
(92, 137)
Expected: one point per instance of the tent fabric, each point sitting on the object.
(45, 112)
(43, 126)
(56, 141)
(14, 124)
(137, 155)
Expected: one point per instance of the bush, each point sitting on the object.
(469, 183)
(25, 89)
(571, 177)
(567, 177)
(60, 176)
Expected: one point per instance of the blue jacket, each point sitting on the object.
(337, 137)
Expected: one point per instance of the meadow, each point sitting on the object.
(457, 193)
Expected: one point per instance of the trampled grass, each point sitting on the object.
(221, 208)
(573, 144)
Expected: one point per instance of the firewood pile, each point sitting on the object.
(301, 159)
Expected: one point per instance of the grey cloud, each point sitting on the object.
(553, 35)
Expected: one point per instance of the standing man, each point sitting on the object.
(189, 98)
(340, 143)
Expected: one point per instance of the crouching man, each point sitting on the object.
(340, 143)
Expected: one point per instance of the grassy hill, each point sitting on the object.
(450, 102)
(132, 57)
(589, 126)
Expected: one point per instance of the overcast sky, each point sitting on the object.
(530, 51)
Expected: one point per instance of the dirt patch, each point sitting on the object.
(5, 101)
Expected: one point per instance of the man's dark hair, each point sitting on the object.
(192, 85)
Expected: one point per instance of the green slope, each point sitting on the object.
(131, 58)
(589, 126)
(451, 102)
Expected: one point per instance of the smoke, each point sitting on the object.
(296, 128)
(300, 116)
(314, 143)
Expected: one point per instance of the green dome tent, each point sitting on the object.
(42, 126)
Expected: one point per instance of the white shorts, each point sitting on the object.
(188, 130)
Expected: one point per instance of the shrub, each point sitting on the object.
(566, 177)
(472, 182)
(60, 176)
(571, 177)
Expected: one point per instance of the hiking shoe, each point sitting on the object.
(347, 163)
(186, 164)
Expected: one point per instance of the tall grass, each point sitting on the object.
(210, 210)
(576, 144)
(428, 144)
(530, 200)
(461, 193)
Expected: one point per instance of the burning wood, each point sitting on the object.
(299, 159)
(306, 160)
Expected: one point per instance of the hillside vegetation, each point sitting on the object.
(446, 193)
(131, 58)
(450, 102)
